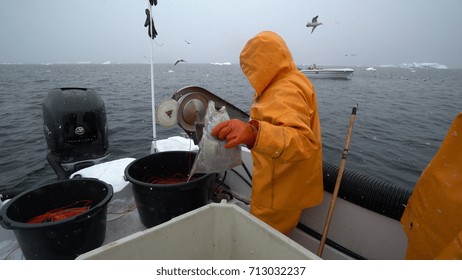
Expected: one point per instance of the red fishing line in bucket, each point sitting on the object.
(174, 179)
(62, 213)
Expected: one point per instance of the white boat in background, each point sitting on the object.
(327, 73)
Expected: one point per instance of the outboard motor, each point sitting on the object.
(75, 129)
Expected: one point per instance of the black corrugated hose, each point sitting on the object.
(376, 195)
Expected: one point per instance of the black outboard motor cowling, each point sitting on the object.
(75, 129)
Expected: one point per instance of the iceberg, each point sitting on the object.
(221, 63)
(428, 65)
(412, 65)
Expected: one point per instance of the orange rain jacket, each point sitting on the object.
(433, 216)
(287, 154)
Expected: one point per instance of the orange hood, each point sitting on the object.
(264, 58)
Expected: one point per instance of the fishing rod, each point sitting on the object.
(337, 183)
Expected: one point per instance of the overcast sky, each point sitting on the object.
(354, 32)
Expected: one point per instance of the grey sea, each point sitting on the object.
(402, 115)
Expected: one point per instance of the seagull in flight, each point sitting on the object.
(314, 23)
(179, 60)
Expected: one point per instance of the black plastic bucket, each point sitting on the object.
(63, 239)
(158, 203)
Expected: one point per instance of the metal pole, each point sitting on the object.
(153, 102)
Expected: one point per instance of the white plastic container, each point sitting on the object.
(217, 231)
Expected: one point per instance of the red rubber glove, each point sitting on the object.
(236, 132)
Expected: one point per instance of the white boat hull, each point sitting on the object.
(340, 73)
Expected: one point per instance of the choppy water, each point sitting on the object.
(402, 117)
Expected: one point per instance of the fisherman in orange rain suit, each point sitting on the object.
(433, 216)
(284, 134)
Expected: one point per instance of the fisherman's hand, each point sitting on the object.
(236, 132)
